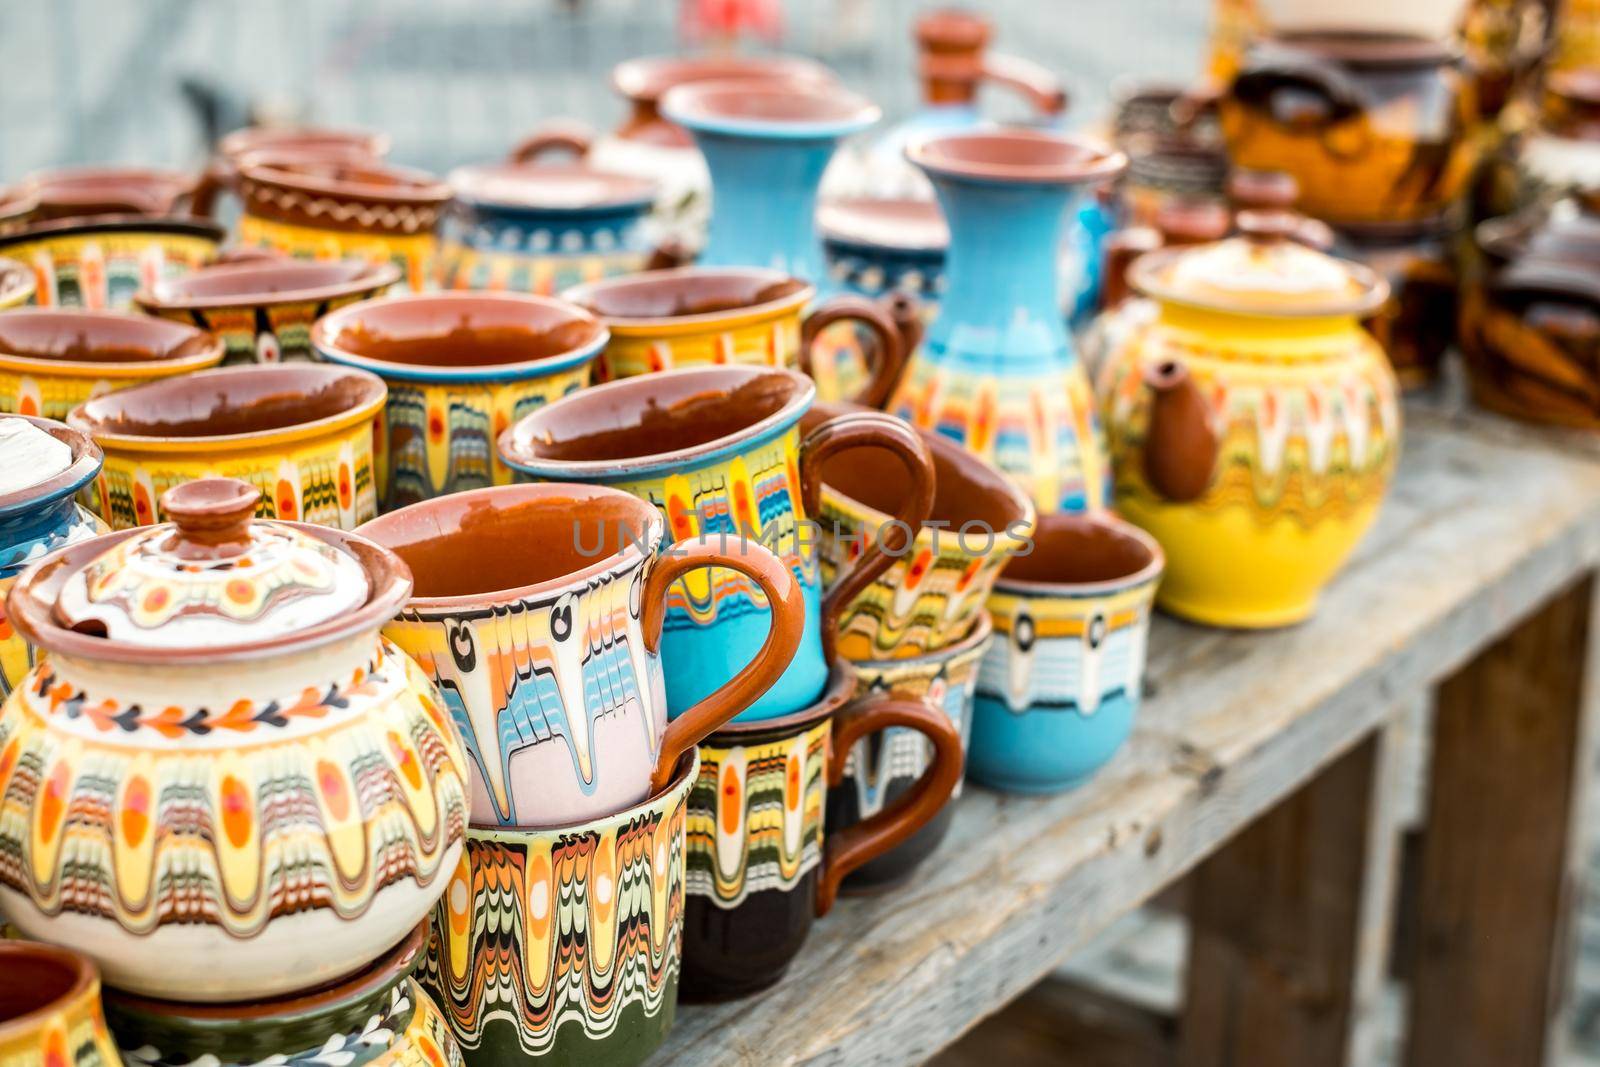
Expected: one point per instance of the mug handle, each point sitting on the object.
(854, 845)
(777, 581)
(861, 429)
(214, 181)
(556, 136)
(891, 349)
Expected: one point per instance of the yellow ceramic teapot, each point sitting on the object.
(1253, 424)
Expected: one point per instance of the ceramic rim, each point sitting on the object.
(86, 461)
(1143, 277)
(276, 166)
(949, 155)
(1151, 571)
(688, 772)
(626, 191)
(160, 296)
(982, 629)
(84, 978)
(75, 225)
(204, 359)
(583, 295)
(689, 106)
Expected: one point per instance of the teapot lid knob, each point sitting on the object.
(210, 513)
(1252, 190)
(1268, 226)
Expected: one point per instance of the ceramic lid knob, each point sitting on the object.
(1250, 189)
(1268, 226)
(212, 516)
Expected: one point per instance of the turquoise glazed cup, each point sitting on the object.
(719, 450)
(1059, 688)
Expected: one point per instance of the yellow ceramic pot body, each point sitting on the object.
(52, 360)
(1255, 447)
(54, 1017)
(16, 285)
(417, 255)
(101, 262)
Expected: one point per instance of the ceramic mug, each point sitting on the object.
(760, 864)
(690, 316)
(879, 769)
(537, 611)
(564, 945)
(50, 1009)
(1060, 686)
(461, 368)
(931, 595)
(263, 309)
(302, 434)
(719, 450)
(377, 1017)
(16, 285)
(101, 261)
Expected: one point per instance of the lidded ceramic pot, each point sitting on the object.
(222, 783)
(1253, 424)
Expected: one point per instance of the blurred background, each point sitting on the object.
(452, 81)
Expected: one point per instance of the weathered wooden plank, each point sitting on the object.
(1060, 1022)
(1486, 521)
(1497, 877)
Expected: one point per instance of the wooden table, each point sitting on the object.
(1261, 764)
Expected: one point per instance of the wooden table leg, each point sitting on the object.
(1500, 861)
(1288, 923)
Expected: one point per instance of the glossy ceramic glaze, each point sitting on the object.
(50, 1013)
(311, 139)
(263, 310)
(997, 371)
(461, 368)
(540, 228)
(883, 767)
(1417, 325)
(73, 192)
(550, 661)
(933, 594)
(564, 945)
(310, 205)
(301, 434)
(16, 284)
(760, 866)
(1254, 425)
(40, 516)
(720, 452)
(379, 1017)
(1060, 686)
(693, 316)
(1375, 128)
(101, 261)
(170, 743)
(767, 143)
(52, 360)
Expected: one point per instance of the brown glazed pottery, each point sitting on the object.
(50, 1012)
(1417, 324)
(101, 261)
(761, 867)
(1561, 154)
(71, 192)
(309, 139)
(954, 60)
(645, 80)
(1376, 128)
(262, 309)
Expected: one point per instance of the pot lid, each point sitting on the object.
(1263, 271)
(548, 187)
(212, 577)
(29, 455)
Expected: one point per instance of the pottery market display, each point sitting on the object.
(550, 661)
(879, 769)
(692, 316)
(461, 368)
(1433, 19)
(1254, 425)
(767, 143)
(198, 676)
(101, 261)
(720, 451)
(310, 205)
(564, 945)
(50, 1014)
(1060, 687)
(43, 466)
(997, 371)
(1375, 128)
(73, 192)
(53, 360)
(263, 310)
(761, 863)
(932, 595)
(300, 434)
(1417, 324)
(1561, 154)
(324, 140)
(379, 1017)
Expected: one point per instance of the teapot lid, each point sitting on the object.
(1263, 271)
(212, 577)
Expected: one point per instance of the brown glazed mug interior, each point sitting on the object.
(230, 402)
(1084, 550)
(74, 191)
(548, 186)
(1016, 155)
(100, 337)
(457, 330)
(646, 78)
(656, 416)
(34, 978)
(254, 281)
(349, 176)
(475, 544)
(768, 101)
(685, 292)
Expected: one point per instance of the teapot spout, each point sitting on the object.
(1180, 448)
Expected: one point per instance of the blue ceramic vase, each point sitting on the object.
(997, 371)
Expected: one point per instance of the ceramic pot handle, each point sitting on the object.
(554, 137)
(849, 848)
(1336, 97)
(863, 429)
(668, 255)
(890, 347)
(1043, 90)
(783, 594)
(215, 180)
(1180, 446)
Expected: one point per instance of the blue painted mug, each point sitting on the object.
(718, 450)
